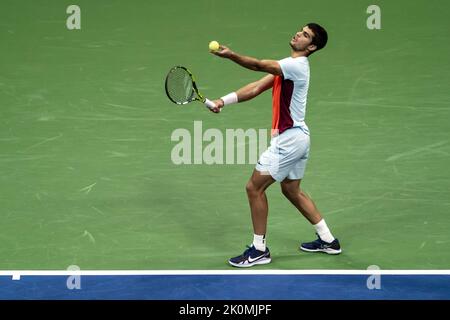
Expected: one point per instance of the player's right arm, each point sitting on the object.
(249, 91)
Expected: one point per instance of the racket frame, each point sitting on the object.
(196, 95)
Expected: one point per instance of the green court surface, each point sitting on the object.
(85, 136)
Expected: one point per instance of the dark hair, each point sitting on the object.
(320, 35)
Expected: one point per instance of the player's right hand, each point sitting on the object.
(218, 106)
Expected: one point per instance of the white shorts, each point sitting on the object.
(287, 155)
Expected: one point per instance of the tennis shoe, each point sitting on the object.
(251, 257)
(321, 246)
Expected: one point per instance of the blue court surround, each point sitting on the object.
(227, 287)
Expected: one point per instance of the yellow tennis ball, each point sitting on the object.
(213, 46)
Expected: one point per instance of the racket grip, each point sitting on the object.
(208, 103)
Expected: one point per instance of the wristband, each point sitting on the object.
(230, 99)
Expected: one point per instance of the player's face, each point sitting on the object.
(302, 39)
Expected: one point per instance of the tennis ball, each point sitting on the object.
(213, 46)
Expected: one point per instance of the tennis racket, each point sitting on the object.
(182, 89)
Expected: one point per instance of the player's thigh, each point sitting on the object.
(259, 181)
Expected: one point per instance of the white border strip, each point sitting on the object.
(18, 273)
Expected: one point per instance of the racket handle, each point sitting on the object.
(208, 103)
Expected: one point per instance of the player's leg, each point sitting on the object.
(257, 199)
(291, 190)
(258, 253)
(326, 241)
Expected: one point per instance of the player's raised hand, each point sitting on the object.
(223, 52)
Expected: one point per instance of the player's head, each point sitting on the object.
(310, 39)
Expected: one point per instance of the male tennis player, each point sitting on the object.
(285, 160)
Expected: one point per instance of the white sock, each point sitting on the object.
(323, 231)
(259, 241)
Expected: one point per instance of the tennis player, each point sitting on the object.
(285, 160)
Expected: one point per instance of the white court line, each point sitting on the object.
(416, 151)
(19, 273)
(44, 141)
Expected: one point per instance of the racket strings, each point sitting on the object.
(179, 85)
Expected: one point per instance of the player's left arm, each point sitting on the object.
(269, 66)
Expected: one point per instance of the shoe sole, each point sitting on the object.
(327, 251)
(248, 265)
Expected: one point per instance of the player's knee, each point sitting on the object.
(251, 188)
